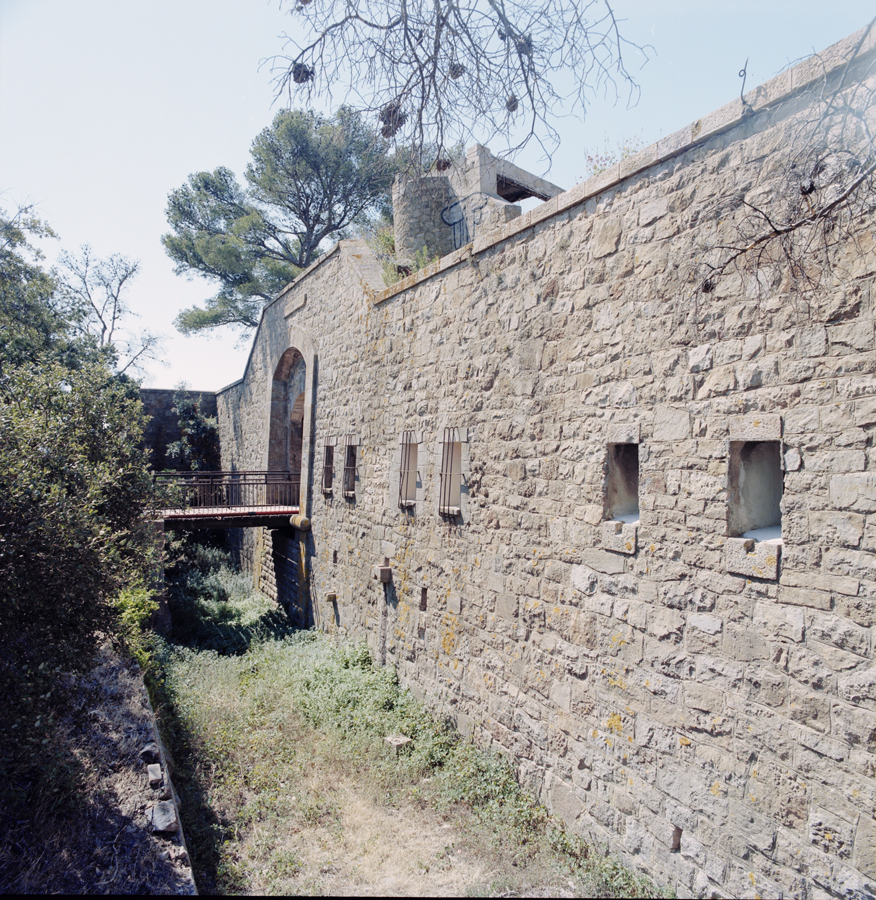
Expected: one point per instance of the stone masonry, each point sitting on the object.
(443, 212)
(609, 599)
(162, 426)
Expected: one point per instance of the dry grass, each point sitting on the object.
(288, 786)
(340, 824)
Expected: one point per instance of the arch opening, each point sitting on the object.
(286, 433)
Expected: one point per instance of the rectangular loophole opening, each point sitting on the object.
(328, 466)
(407, 476)
(675, 843)
(450, 474)
(755, 487)
(622, 488)
(423, 598)
(350, 449)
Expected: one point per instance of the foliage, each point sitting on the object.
(599, 161)
(93, 293)
(73, 493)
(310, 178)
(212, 606)
(434, 72)
(198, 448)
(381, 239)
(73, 497)
(32, 321)
(135, 605)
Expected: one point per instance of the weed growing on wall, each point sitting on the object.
(597, 161)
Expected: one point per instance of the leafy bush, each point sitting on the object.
(135, 606)
(198, 448)
(74, 491)
(380, 237)
(214, 607)
(74, 496)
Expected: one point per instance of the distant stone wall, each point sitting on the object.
(701, 701)
(162, 426)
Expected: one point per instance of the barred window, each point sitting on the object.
(450, 474)
(350, 450)
(328, 466)
(407, 475)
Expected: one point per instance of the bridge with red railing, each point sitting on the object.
(189, 500)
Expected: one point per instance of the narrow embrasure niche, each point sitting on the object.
(622, 490)
(755, 485)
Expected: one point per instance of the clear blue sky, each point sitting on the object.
(107, 105)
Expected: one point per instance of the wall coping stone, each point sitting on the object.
(759, 99)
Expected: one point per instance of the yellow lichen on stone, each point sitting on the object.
(615, 723)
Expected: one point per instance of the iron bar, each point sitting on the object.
(328, 467)
(408, 449)
(350, 467)
(227, 490)
(450, 480)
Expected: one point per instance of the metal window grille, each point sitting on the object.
(407, 474)
(450, 474)
(328, 465)
(350, 467)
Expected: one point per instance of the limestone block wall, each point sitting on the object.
(702, 701)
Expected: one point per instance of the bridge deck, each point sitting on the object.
(227, 517)
(227, 499)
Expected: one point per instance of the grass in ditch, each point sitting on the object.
(288, 785)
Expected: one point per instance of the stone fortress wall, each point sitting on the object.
(162, 426)
(603, 602)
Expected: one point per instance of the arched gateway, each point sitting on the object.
(290, 450)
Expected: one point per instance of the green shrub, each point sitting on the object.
(198, 448)
(215, 607)
(135, 606)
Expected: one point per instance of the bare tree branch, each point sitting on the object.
(435, 73)
(94, 292)
(809, 202)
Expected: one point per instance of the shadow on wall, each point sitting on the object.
(288, 578)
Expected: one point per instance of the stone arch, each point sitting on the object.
(286, 430)
(290, 419)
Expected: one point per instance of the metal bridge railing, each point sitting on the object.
(209, 491)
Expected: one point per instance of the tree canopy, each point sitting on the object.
(435, 72)
(32, 323)
(74, 494)
(310, 178)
